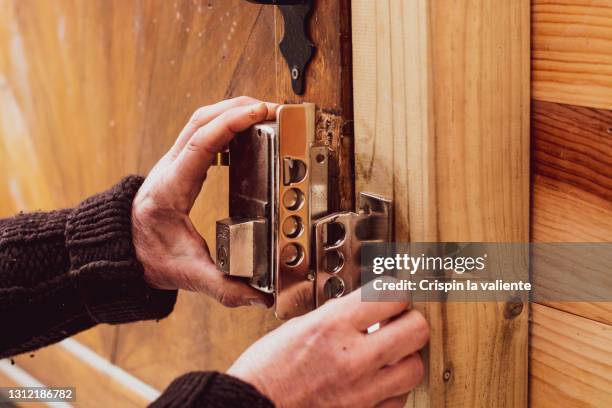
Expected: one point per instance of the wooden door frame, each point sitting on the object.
(442, 97)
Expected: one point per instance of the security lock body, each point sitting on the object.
(279, 235)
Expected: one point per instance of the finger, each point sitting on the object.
(363, 314)
(204, 115)
(398, 379)
(195, 159)
(394, 402)
(399, 338)
(230, 292)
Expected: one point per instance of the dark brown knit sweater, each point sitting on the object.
(66, 271)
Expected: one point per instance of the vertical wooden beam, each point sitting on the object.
(441, 92)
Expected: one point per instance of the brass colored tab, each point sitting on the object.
(222, 159)
(294, 281)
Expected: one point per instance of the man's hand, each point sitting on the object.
(327, 358)
(174, 254)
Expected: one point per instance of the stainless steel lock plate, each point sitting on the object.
(278, 234)
(338, 241)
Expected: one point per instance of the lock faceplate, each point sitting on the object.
(294, 287)
(279, 227)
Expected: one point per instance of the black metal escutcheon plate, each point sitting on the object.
(296, 47)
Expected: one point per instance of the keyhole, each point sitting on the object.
(294, 171)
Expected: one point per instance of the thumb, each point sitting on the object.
(227, 290)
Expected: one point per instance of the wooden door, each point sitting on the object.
(92, 90)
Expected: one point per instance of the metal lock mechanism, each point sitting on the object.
(279, 234)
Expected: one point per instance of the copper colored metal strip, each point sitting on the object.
(294, 282)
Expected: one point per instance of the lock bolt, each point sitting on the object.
(240, 243)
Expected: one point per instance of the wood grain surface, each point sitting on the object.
(572, 63)
(94, 90)
(573, 145)
(572, 193)
(572, 184)
(571, 363)
(441, 93)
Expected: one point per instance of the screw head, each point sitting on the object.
(222, 256)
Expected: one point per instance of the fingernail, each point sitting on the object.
(258, 107)
(258, 303)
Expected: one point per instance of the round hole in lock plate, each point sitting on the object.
(333, 261)
(292, 226)
(293, 199)
(334, 234)
(333, 288)
(292, 254)
(320, 158)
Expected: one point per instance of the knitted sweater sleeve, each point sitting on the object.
(66, 271)
(211, 390)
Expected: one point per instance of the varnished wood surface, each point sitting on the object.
(564, 213)
(93, 90)
(571, 363)
(572, 192)
(573, 145)
(442, 127)
(572, 184)
(572, 63)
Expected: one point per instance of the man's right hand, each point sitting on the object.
(327, 357)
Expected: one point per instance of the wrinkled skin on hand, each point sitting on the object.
(327, 358)
(174, 254)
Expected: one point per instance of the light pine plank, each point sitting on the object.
(572, 62)
(442, 126)
(393, 110)
(570, 360)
